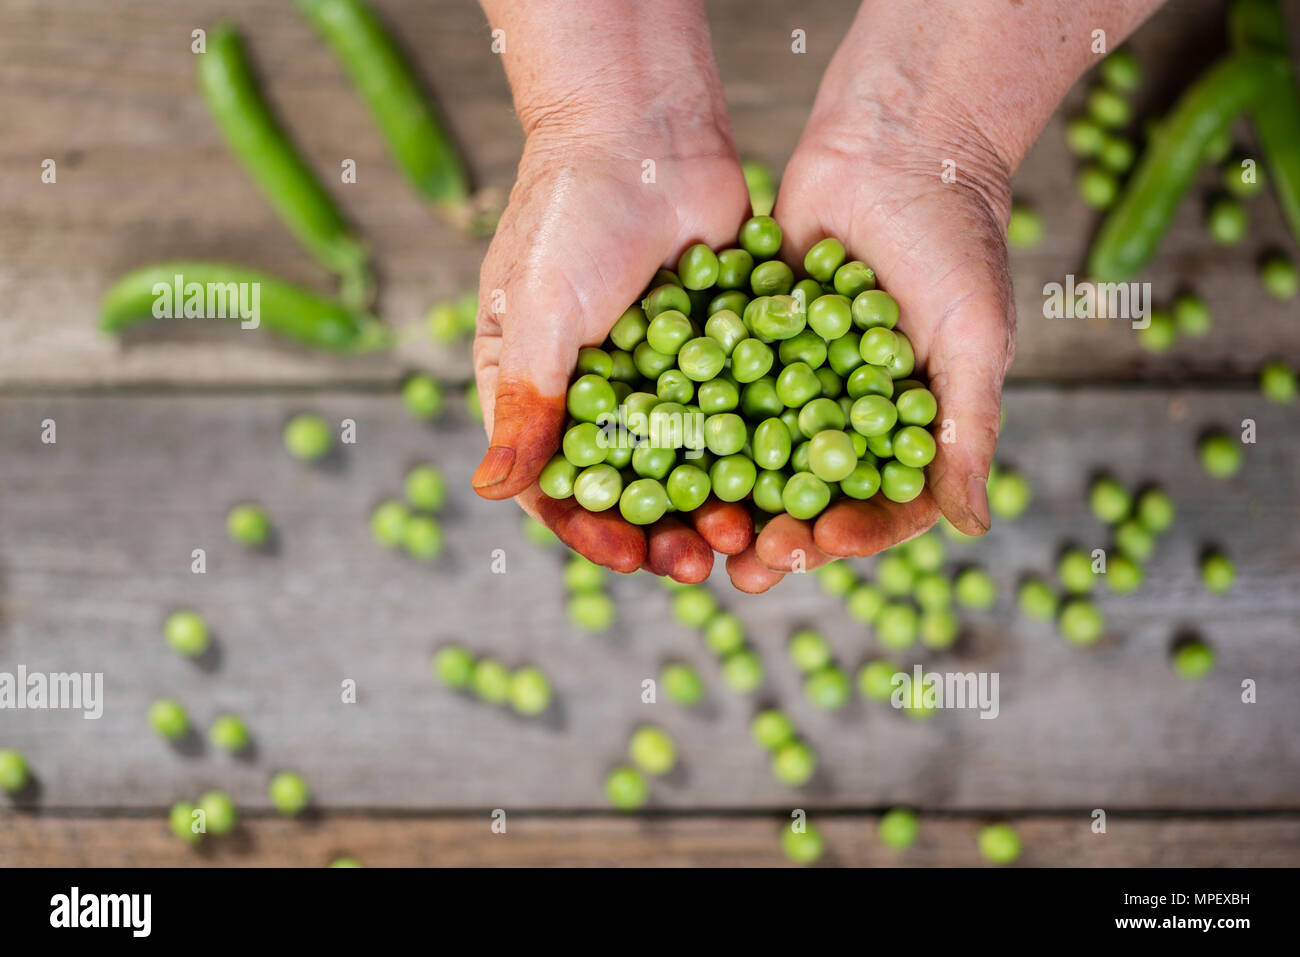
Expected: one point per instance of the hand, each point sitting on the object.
(581, 237)
(938, 247)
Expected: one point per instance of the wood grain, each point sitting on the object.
(96, 535)
(109, 94)
(661, 841)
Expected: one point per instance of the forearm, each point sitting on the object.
(601, 66)
(993, 70)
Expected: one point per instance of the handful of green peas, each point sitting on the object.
(733, 379)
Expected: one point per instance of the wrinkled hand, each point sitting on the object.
(938, 247)
(580, 238)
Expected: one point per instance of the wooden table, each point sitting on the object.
(158, 437)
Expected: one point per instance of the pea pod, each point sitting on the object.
(261, 145)
(1133, 229)
(407, 120)
(220, 291)
(1258, 26)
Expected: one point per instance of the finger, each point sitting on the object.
(851, 528)
(726, 526)
(971, 350)
(749, 574)
(603, 537)
(674, 550)
(787, 542)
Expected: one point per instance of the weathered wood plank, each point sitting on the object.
(143, 177)
(660, 841)
(96, 534)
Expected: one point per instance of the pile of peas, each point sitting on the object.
(527, 689)
(731, 378)
(411, 525)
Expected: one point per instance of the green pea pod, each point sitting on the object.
(407, 120)
(260, 143)
(205, 290)
(1258, 26)
(1133, 229)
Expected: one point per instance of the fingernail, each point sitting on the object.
(977, 499)
(494, 468)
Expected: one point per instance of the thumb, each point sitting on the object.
(970, 353)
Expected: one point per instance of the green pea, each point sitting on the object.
(805, 495)
(1227, 221)
(454, 666)
(760, 236)
(771, 729)
(585, 444)
(803, 846)
(932, 591)
(794, 763)
(701, 359)
(591, 397)
(725, 433)
(388, 522)
(169, 719)
(598, 487)
(878, 346)
(687, 487)
(1120, 71)
(594, 362)
(187, 633)
(727, 329)
(666, 298)
(823, 259)
(1277, 381)
(742, 671)
(668, 332)
(1084, 137)
(1155, 510)
(837, 578)
(1024, 228)
(1081, 622)
(425, 488)
(674, 385)
(875, 308)
(771, 444)
(1160, 333)
(694, 606)
(832, 384)
(862, 483)
(916, 407)
(422, 397)
(229, 733)
(751, 360)
(249, 525)
(873, 415)
(898, 828)
(734, 267)
(718, 395)
(1117, 154)
(651, 462)
(1109, 108)
(913, 446)
(939, 628)
(1074, 569)
(731, 301)
(881, 446)
(896, 626)
(1134, 540)
(768, 488)
(698, 267)
(806, 347)
(630, 329)
(831, 456)
(903, 362)
(592, 611)
(1036, 599)
(643, 502)
(665, 277)
(423, 538)
(732, 477)
(682, 684)
(809, 650)
(345, 862)
(895, 574)
(1009, 494)
(181, 821)
(219, 812)
(619, 454)
(820, 414)
(652, 750)
(1193, 659)
(999, 843)
(843, 354)
(926, 552)
(797, 384)
(806, 292)
(1098, 187)
(1280, 277)
(1217, 572)
(870, 380)
(724, 634)
(900, 483)
(308, 437)
(854, 278)
(975, 588)
(1220, 456)
(760, 400)
(771, 278)
(827, 688)
(1123, 575)
(775, 317)
(626, 789)
(1110, 502)
(876, 679)
(1191, 315)
(799, 458)
(582, 574)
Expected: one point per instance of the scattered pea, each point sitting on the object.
(219, 812)
(1109, 500)
(803, 846)
(1191, 315)
(1081, 621)
(837, 578)
(652, 750)
(248, 525)
(1243, 177)
(1098, 187)
(229, 733)
(1009, 494)
(388, 523)
(876, 679)
(975, 588)
(1217, 572)
(827, 688)
(1193, 659)
(1227, 221)
(1074, 569)
(1084, 137)
(187, 633)
(1120, 71)
(1220, 456)
(530, 691)
(682, 684)
(308, 437)
(1155, 510)
(1280, 277)
(1037, 600)
(422, 538)
(345, 862)
(592, 611)
(809, 650)
(491, 681)
(1123, 575)
(425, 488)
(865, 602)
(1277, 381)
(13, 770)
(423, 397)
(182, 822)
(694, 605)
(742, 671)
(999, 843)
(1109, 108)
(454, 666)
(898, 828)
(794, 763)
(169, 719)
(1160, 333)
(1024, 228)
(772, 729)
(626, 789)
(289, 792)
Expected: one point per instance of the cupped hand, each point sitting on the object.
(875, 180)
(591, 217)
